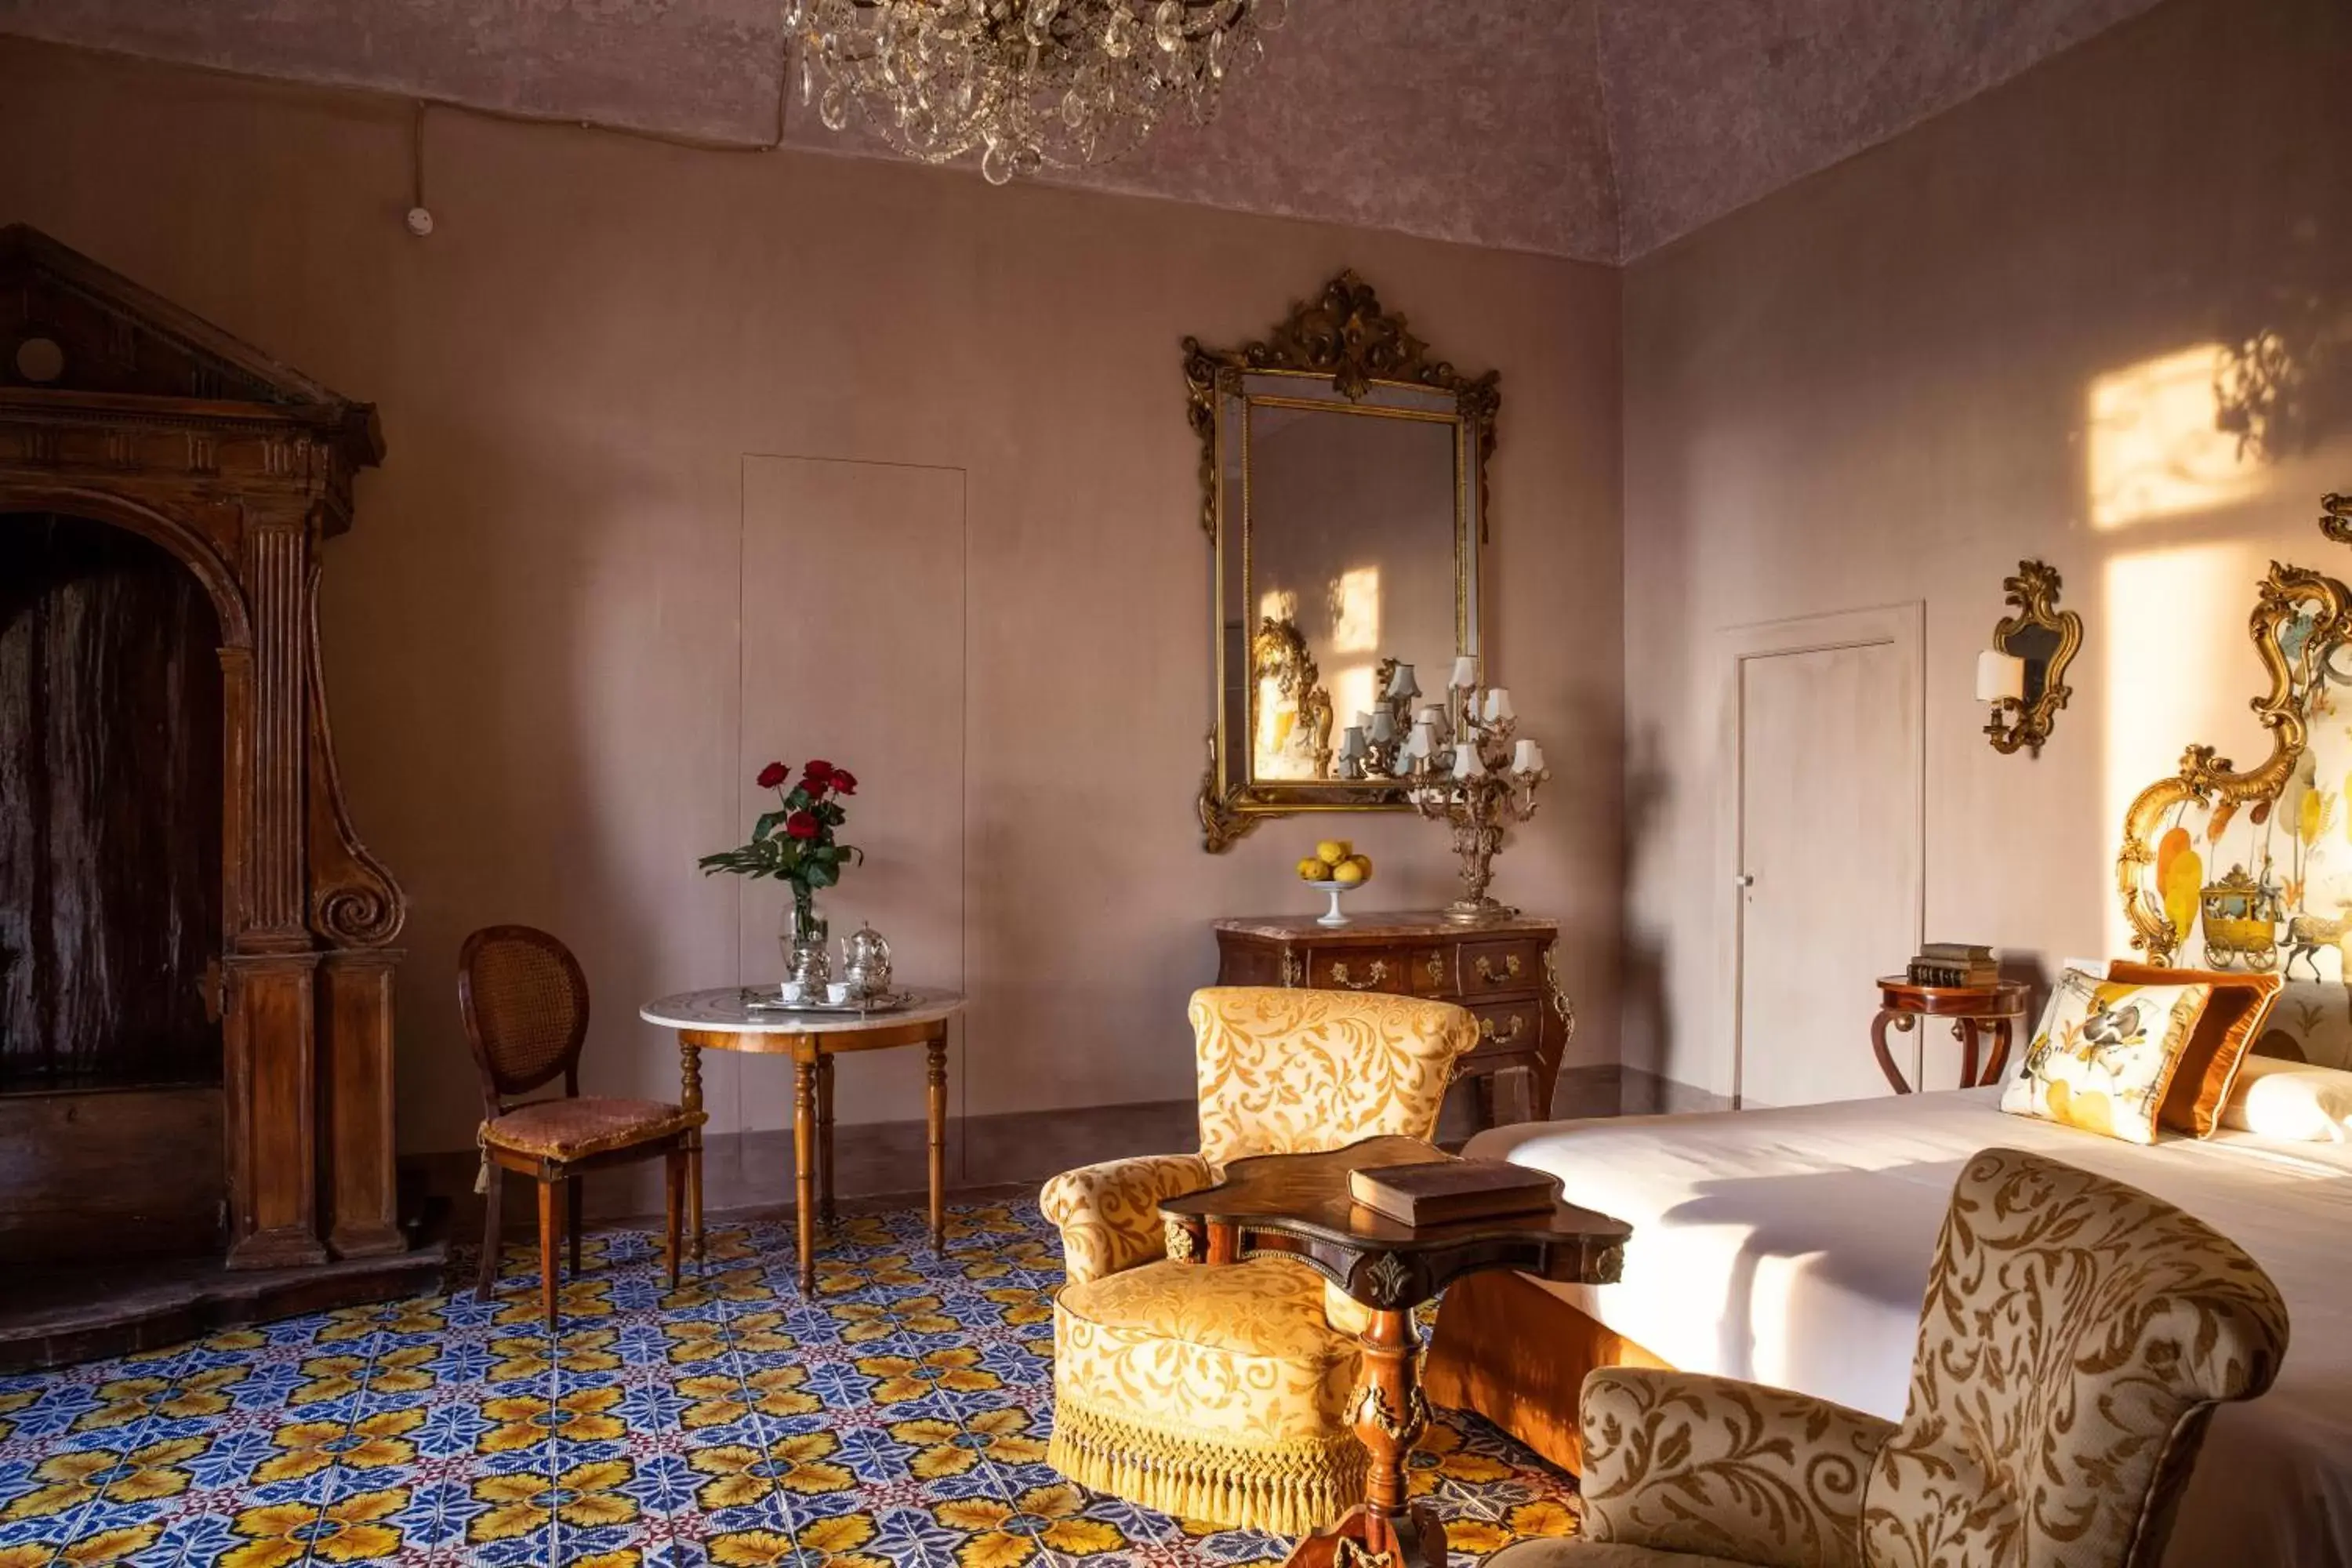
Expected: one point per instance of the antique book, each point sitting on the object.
(1448, 1190)
(1956, 952)
(1939, 971)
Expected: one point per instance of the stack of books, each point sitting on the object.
(1954, 963)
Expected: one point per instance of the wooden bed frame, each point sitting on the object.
(1512, 1351)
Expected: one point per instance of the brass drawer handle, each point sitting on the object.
(1486, 1030)
(1487, 969)
(1380, 972)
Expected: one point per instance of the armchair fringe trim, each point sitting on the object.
(1285, 1488)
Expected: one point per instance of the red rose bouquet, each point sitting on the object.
(795, 843)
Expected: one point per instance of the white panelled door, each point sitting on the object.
(1826, 881)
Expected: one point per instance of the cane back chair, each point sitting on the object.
(525, 1004)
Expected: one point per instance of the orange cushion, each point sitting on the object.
(575, 1129)
(2208, 1065)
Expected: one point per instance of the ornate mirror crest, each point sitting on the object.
(1343, 490)
(2045, 637)
(2287, 811)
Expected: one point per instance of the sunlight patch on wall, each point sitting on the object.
(2174, 669)
(1356, 611)
(2157, 448)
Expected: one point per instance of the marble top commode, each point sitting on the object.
(722, 1011)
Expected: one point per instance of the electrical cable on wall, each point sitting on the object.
(419, 217)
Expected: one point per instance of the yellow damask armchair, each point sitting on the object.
(1219, 1393)
(2077, 1337)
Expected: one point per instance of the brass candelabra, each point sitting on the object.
(1482, 783)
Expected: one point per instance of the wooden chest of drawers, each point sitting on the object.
(1505, 974)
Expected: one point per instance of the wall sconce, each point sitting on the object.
(2022, 675)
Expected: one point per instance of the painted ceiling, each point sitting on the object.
(1593, 129)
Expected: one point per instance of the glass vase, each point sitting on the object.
(803, 938)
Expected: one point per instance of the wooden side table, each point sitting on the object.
(1972, 1009)
(1299, 1204)
(1506, 973)
(720, 1020)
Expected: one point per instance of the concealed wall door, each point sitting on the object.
(1824, 885)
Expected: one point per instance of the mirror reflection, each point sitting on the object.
(1350, 582)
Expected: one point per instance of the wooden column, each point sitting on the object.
(354, 997)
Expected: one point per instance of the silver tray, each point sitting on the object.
(759, 1001)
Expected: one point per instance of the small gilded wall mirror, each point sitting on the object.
(2022, 675)
(1343, 475)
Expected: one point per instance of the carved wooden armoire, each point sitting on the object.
(197, 954)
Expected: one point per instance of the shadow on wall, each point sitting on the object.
(1645, 1017)
(505, 721)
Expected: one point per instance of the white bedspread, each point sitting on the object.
(1792, 1246)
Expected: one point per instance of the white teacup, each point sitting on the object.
(796, 992)
(838, 992)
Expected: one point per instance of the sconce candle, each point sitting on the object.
(1422, 741)
(2001, 677)
(1498, 705)
(1465, 673)
(1383, 727)
(1526, 757)
(1402, 686)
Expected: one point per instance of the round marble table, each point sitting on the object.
(721, 1020)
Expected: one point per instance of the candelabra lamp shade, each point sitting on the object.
(1486, 780)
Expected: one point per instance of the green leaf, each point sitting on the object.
(769, 822)
(820, 875)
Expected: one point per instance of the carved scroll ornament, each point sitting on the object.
(2302, 620)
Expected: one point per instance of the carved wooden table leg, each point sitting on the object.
(1902, 1021)
(2003, 1033)
(689, 1096)
(1965, 1031)
(824, 1205)
(1389, 1415)
(935, 1114)
(804, 1070)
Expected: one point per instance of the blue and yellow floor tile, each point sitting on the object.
(896, 1418)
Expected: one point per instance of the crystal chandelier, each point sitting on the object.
(1026, 83)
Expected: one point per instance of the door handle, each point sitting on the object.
(1743, 879)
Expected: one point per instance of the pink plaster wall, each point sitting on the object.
(1879, 385)
(533, 636)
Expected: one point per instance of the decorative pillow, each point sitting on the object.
(2105, 1053)
(2241, 1004)
(2291, 1100)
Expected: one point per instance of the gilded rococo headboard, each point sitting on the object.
(2282, 828)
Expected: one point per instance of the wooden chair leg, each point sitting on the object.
(674, 1181)
(550, 1232)
(572, 1221)
(486, 1283)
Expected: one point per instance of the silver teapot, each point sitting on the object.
(866, 962)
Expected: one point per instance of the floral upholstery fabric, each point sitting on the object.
(2076, 1337)
(1108, 1214)
(2103, 1056)
(575, 1129)
(1708, 1465)
(1280, 1071)
(1207, 1393)
(1297, 1072)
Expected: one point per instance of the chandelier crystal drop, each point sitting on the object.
(1027, 84)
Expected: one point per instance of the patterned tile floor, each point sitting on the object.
(899, 1418)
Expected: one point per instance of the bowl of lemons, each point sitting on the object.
(1334, 869)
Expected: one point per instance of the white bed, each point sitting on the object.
(1792, 1246)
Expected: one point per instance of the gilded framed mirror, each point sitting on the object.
(1343, 491)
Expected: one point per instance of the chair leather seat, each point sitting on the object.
(575, 1129)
